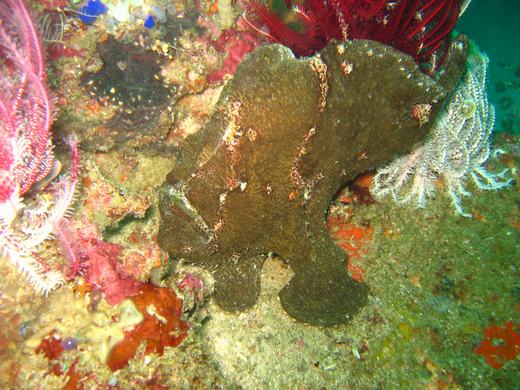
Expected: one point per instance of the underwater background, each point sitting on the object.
(185, 204)
(493, 26)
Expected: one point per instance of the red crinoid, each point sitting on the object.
(420, 28)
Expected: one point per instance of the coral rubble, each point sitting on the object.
(286, 135)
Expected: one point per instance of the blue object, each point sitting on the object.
(24, 329)
(149, 22)
(90, 11)
(69, 343)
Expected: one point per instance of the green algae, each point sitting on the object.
(452, 277)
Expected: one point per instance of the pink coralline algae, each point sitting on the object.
(105, 274)
(236, 44)
(26, 157)
(97, 260)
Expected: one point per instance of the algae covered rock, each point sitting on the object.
(287, 134)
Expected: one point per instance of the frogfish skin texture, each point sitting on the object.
(286, 135)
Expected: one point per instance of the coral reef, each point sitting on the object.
(259, 177)
(85, 334)
(444, 290)
(52, 348)
(455, 151)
